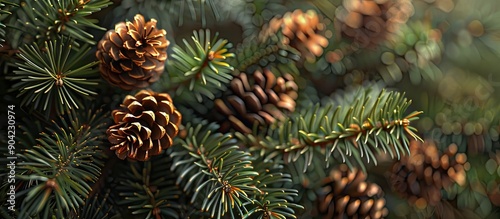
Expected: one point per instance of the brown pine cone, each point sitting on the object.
(263, 100)
(368, 22)
(347, 194)
(133, 54)
(144, 126)
(421, 176)
(302, 31)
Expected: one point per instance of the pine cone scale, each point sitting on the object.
(115, 39)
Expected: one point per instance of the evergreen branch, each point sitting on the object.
(55, 77)
(273, 200)
(168, 10)
(252, 14)
(201, 8)
(348, 132)
(202, 68)
(96, 207)
(2, 26)
(52, 18)
(211, 166)
(60, 168)
(253, 54)
(148, 189)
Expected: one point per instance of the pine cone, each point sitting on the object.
(421, 176)
(347, 194)
(144, 126)
(263, 100)
(302, 31)
(493, 187)
(133, 54)
(368, 22)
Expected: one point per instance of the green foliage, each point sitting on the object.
(370, 125)
(414, 49)
(472, 128)
(168, 10)
(213, 169)
(413, 52)
(148, 189)
(273, 200)
(275, 173)
(255, 13)
(52, 18)
(59, 170)
(271, 53)
(55, 76)
(2, 26)
(95, 207)
(472, 43)
(201, 69)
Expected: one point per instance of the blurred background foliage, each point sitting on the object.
(444, 56)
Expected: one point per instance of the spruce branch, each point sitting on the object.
(96, 207)
(202, 68)
(221, 174)
(195, 7)
(348, 132)
(273, 200)
(271, 52)
(56, 76)
(57, 172)
(2, 12)
(148, 189)
(255, 13)
(48, 19)
(169, 10)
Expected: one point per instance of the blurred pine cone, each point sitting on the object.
(133, 54)
(347, 194)
(302, 31)
(493, 187)
(263, 100)
(368, 22)
(421, 176)
(144, 126)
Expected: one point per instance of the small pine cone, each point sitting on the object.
(368, 22)
(423, 174)
(263, 100)
(133, 54)
(144, 126)
(347, 194)
(302, 31)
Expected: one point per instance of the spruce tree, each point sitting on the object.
(268, 109)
